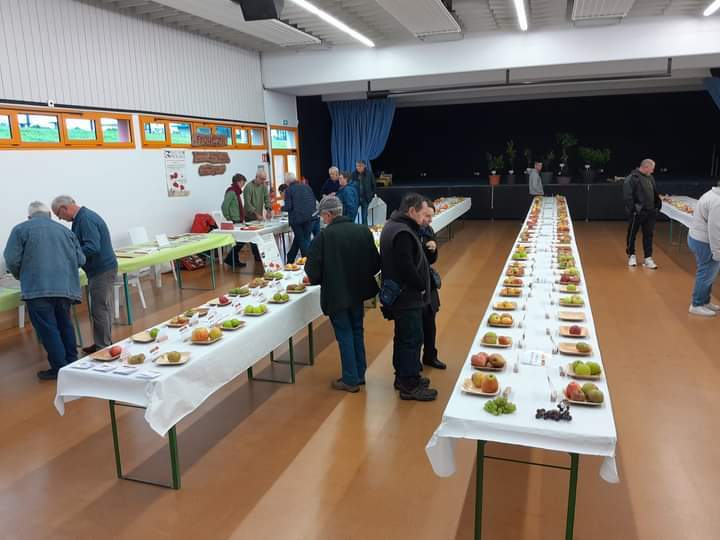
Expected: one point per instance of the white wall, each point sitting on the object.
(126, 187)
(76, 53)
(280, 107)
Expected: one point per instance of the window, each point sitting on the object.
(80, 129)
(225, 132)
(257, 137)
(283, 139)
(39, 128)
(180, 133)
(241, 137)
(5, 128)
(203, 130)
(116, 130)
(154, 132)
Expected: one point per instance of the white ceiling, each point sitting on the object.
(386, 22)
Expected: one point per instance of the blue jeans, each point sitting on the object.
(301, 240)
(348, 326)
(707, 271)
(315, 227)
(51, 319)
(363, 212)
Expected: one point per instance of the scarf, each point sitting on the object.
(238, 193)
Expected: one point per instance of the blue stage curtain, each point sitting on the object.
(712, 85)
(360, 130)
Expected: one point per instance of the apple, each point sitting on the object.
(477, 379)
(115, 350)
(494, 318)
(200, 334)
(497, 360)
(489, 384)
(479, 359)
(575, 330)
(490, 338)
(506, 319)
(582, 347)
(570, 388)
(223, 300)
(504, 340)
(214, 333)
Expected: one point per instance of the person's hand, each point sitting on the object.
(431, 245)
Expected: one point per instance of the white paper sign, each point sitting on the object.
(162, 240)
(269, 253)
(175, 173)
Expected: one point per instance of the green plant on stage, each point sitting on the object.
(548, 161)
(528, 158)
(566, 142)
(495, 163)
(597, 158)
(510, 154)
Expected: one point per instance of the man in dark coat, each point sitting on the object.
(343, 260)
(364, 182)
(430, 246)
(405, 270)
(300, 204)
(642, 203)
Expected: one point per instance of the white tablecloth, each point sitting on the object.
(592, 429)
(675, 213)
(275, 226)
(377, 211)
(181, 389)
(445, 218)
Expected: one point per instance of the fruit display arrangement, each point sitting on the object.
(513, 282)
(505, 305)
(588, 394)
(205, 336)
(255, 311)
(280, 298)
(561, 413)
(572, 301)
(146, 337)
(499, 405)
(179, 321)
(136, 359)
(585, 370)
(301, 261)
(239, 291)
(295, 288)
(484, 384)
(292, 267)
(257, 282)
(573, 331)
(231, 324)
(567, 277)
(515, 271)
(269, 276)
(512, 292)
(504, 320)
(488, 362)
(576, 349)
(493, 340)
(172, 358)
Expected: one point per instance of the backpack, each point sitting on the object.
(203, 223)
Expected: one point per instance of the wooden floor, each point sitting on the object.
(263, 460)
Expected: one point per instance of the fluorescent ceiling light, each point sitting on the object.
(522, 15)
(712, 8)
(332, 20)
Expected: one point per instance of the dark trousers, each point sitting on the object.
(100, 288)
(301, 240)
(348, 326)
(51, 319)
(429, 334)
(645, 220)
(364, 212)
(234, 255)
(407, 342)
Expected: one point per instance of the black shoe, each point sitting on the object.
(424, 382)
(91, 349)
(238, 264)
(47, 375)
(338, 384)
(437, 364)
(419, 393)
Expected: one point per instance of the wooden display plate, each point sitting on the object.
(216, 302)
(163, 361)
(487, 368)
(506, 295)
(469, 388)
(271, 301)
(571, 373)
(563, 288)
(496, 345)
(570, 348)
(574, 316)
(586, 403)
(501, 325)
(564, 304)
(178, 325)
(295, 291)
(239, 294)
(565, 332)
(254, 314)
(142, 337)
(516, 285)
(500, 307)
(221, 327)
(104, 355)
(209, 342)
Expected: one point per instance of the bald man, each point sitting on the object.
(642, 204)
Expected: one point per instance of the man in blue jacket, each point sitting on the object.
(100, 265)
(45, 257)
(348, 195)
(301, 206)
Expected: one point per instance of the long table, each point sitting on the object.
(179, 390)
(675, 214)
(447, 217)
(249, 234)
(592, 429)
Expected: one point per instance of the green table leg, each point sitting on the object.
(77, 326)
(179, 274)
(250, 373)
(292, 361)
(128, 305)
(116, 441)
(572, 494)
(311, 344)
(212, 269)
(174, 458)
(479, 466)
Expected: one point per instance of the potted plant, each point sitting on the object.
(547, 174)
(595, 161)
(495, 165)
(566, 142)
(529, 161)
(510, 153)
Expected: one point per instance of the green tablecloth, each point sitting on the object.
(179, 249)
(9, 298)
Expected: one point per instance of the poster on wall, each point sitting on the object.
(175, 173)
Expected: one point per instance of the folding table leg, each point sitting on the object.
(309, 363)
(128, 304)
(574, 464)
(291, 363)
(77, 326)
(479, 469)
(311, 344)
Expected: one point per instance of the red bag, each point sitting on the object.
(193, 262)
(203, 223)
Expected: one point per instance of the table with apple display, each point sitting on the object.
(138, 372)
(448, 210)
(253, 231)
(534, 376)
(678, 208)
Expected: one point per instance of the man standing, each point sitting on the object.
(343, 260)
(45, 257)
(704, 242)
(430, 246)
(365, 183)
(331, 185)
(348, 195)
(535, 181)
(642, 203)
(406, 292)
(300, 205)
(100, 265)
(233, 210)
(257, 202)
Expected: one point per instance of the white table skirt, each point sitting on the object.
(443, 219)
(377, 211)
(592, 429)
(678, 215)
(181, 389)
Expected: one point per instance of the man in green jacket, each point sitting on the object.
(343, 260)
(257, 198)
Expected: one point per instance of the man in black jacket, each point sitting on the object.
(364, 181)
(343, 260)
(404, 263)
(430, 247)
(642, 203)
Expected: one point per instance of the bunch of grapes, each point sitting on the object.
(499, 405)
(562, 412)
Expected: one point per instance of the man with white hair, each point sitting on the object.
(642, 204)
(300, 205)
(332, 184)
(257, 198)
(100, 265)
(343, 260)
(45, 257)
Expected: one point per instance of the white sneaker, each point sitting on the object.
(649, 263)
(712, 306)
(632, 261)
(702, 311)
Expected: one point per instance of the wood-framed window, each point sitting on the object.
(162, 131)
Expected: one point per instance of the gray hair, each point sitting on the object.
(290, 177)
(62, 200)
(333, 169)
(37, 208)
(332, 205)
(647, 163)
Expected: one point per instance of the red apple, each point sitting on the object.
(115, 350)
(504, 340)
(479, 359)
(572, 388)
(575, 330)
(490, 384)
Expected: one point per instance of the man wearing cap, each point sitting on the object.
(343, 260)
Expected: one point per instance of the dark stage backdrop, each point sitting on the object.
(449, 142)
